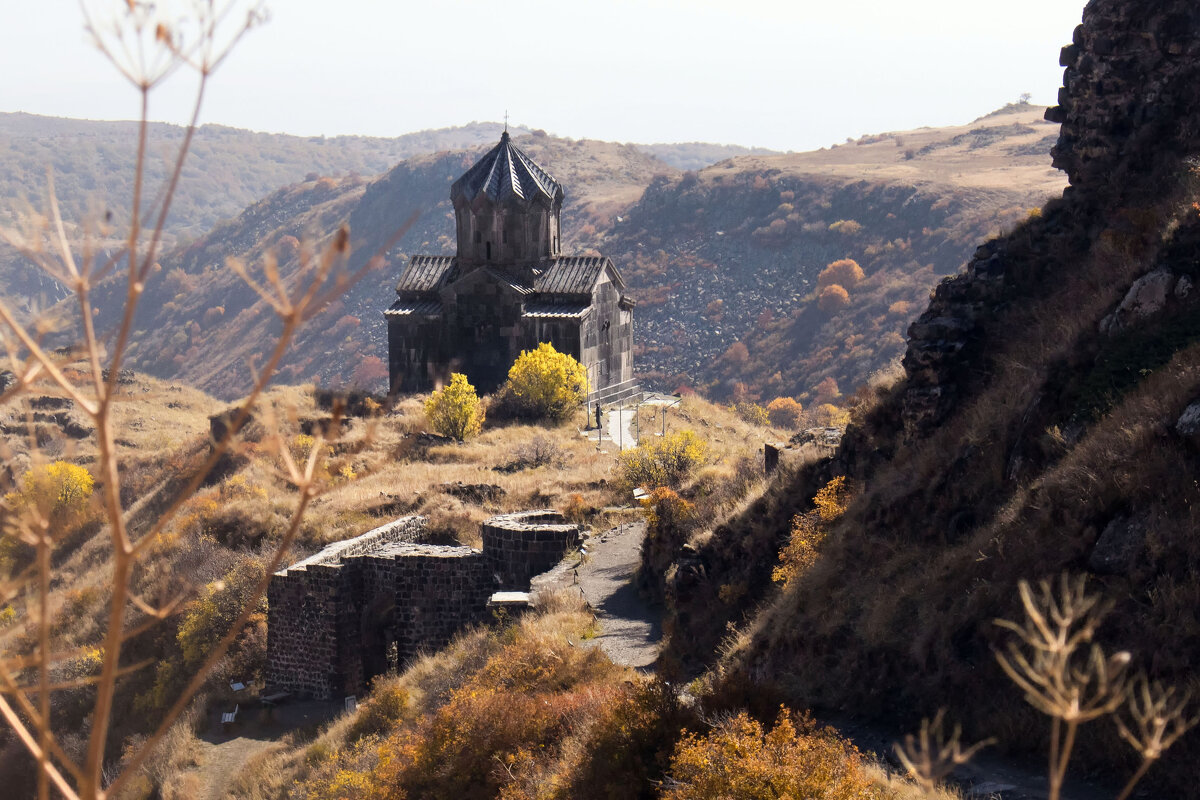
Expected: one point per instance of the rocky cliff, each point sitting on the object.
(1045, 424)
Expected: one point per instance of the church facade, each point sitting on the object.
(508, 288)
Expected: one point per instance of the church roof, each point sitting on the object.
(425, 273)
(556, 310)
(414, 308)
(570, 274)
(566, 275)
(505, 172)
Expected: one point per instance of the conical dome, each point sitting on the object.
(506, 173)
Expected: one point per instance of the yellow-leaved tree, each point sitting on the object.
(455, 410)
(546, 384)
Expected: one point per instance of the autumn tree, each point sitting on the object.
(832, 299)
(546, 384)
(455, 410)
(844, 272)
(784, 412)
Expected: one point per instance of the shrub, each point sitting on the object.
(847, 227)
(794, 759)
(752, 413)
(844, 272)
(833, 298)
(386, 706)
(546, 384)
(830, 416)
(809, 530)
(784, 412)
(455, 410)
(662, 462)
(58, 492)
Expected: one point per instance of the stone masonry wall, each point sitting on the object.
(526, 544)
(369, 604)
(310, 613)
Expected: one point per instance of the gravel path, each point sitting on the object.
(630, 630)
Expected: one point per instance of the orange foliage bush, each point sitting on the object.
(794, 759)
(809, 530)
(832, 299)
(844, 272)
(784, 412)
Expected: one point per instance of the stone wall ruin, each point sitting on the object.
(364, 606)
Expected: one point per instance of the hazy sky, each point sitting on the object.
(788, 75)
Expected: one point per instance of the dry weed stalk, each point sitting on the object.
(931, 755)
(1160, 717)
(1062, 672)
(146, 46)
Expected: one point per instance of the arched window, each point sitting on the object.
(489, 251)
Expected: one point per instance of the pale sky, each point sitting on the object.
(787, 75)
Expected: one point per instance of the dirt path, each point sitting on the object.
(630, 631)
(225, 751)
(221, 761)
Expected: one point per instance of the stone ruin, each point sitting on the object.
(367, 605)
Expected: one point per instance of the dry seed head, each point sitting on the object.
(1159, 715)
(931, 755)
(1048, 661)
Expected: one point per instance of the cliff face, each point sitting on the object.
(1130, 122)
(1128, 102)
(1046, 424)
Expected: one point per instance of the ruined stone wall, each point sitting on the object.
(1128, 101)
(522, 545)
(312, 621)
(372, 603)
(436, 591)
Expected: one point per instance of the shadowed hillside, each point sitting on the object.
(1045, 423)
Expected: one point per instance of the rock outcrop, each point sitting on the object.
(1129, 121)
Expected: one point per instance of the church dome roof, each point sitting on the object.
(506, 173)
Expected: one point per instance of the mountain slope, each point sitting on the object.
(727, 255)
(732, 254)
(1046, 424)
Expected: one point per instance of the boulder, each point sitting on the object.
(1189, 421)
(1119, 546)
(1146, 297)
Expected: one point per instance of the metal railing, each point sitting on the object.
(614, 394)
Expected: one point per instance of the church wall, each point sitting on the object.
(608, 337)
(564, 334)
(516, 235)
(484, 331)
(416, 354)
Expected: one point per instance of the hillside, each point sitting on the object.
(375, 468)
(732, 254)
(216, 323)
(723, 262)
(1045, 424)
(698, 155)
(229, 169)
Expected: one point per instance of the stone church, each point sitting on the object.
(508, 288)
